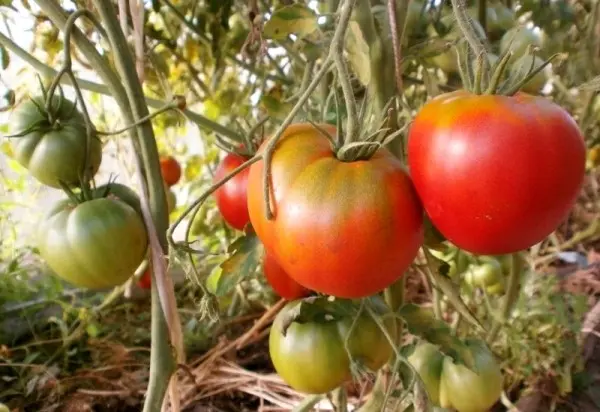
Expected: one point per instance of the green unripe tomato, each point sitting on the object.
(521, 38)
(505, 17)
(486, 275)
(537, 82)
(428, 361)
(466, 391)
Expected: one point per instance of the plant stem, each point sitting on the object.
(162, 363)
(46, 70)
(468, 29)
(512, 294)
(482, 14)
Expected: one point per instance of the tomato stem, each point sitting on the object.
(512, 295)
(497, 73)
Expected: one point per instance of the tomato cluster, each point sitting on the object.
(96, 238)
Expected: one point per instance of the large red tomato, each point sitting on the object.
(496, 174)
(231, 197)
(281, 282)
(347, 229)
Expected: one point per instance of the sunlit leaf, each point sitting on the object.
(358, 53)
(244, 257)
(211, 109)
(295, 19)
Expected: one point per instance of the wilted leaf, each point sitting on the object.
(421, 322)
(358, 53)
(245, 255)
(295, 19)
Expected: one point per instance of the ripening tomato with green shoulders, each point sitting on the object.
(311, 357)
(53, 144)
(232, 199)
(281, 282)
(343, 228)
(95, 244)
(496, 174)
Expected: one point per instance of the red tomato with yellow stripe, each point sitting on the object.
(347, 229)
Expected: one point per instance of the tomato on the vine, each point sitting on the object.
(170, 169)
(281, 282)
(496, 174)
(488, 274)
(53, 152)
(232, 199)
(121, 192)
(467, 391)
(347, 229)
(312, 356)
(96, 244)
(455, 386)
(518, 40)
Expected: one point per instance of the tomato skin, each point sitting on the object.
(232, 199)
(145, 281)
(96, 244)
(467, 391)
(53, 153)
(427, 361)
(311, 357)
(347, 229)
(170, 169)
(496, 174)
(121, 192)
(282, 284)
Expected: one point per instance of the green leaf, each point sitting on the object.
(295, 19)
(274, 107)
(318, 309)
(358, 53)
(244, 257)
(421, 322)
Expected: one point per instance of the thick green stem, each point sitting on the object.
(467, 27)
(162, 363)
(482, 14)
(111, 90)
(512, 294)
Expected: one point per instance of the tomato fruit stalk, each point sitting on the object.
(232, 199)
(347, 229)
(496, 174)
(312, 358)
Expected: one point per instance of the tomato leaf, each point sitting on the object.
(244, 257)
(295, 19)
(318, 309)
(422, 323)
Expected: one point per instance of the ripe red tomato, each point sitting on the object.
(496, 174)
(281, 282)
(170, 169)
(347, 229)
(145, 281)
(231, 197)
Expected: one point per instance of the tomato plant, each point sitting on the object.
(347, 229)
(232, 200)
(121, 192)
(282, 284)
(496, 174)
(311, 356)
(170, 169)
(54, 147)
(537, 82)
(96, 244)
